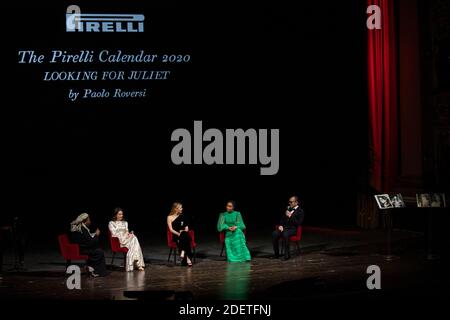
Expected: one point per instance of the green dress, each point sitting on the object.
(236, 246)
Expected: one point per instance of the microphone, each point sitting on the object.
(289, 210)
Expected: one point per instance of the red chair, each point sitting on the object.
(116, 248)
(70, 251)
(173, 245)
(193, 244)
(222, 239)
(297, 238)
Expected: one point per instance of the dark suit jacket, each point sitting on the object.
(294, 221)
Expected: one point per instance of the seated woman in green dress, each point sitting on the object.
(232, 224)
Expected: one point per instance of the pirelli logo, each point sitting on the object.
(102, 22)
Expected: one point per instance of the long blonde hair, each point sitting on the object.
(173, 211)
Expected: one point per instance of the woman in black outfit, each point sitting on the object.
(89, 244)
(179, 226)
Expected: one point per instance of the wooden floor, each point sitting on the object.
(335, 269)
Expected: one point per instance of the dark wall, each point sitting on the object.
(297, 68)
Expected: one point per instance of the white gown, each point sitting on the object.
(119, 229)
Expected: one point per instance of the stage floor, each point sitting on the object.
(332, 264)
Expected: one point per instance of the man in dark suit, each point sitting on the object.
(291, 219)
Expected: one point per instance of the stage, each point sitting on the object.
(332, 264)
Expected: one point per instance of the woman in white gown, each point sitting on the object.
(119, 228)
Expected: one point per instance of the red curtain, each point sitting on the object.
(382, 94)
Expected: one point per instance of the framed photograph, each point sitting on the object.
(437, 200)
(383, 201)
(423, 200)
(397, 201)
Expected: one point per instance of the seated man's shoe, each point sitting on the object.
(275, 256)
(285, 258)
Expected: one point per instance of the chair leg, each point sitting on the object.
(112, 259)
(175, 257)
(193, 255)
(289, 253)
(68, 262)
(125, 261)
(223, 247)
(298, 247)
(170, 253)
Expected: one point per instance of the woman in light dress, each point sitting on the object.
(119, 228)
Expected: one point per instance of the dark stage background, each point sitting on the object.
(297, 68)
